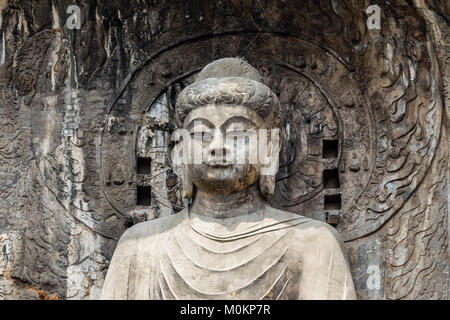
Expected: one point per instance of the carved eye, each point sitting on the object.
(236, 130)
(202, 136)
(236, 133)
(206, 136)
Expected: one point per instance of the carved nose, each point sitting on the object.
(217, 149)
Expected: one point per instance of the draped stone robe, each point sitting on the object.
(270, 254)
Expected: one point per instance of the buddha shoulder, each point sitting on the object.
(151, 229)
(308, 231)
(314, 231)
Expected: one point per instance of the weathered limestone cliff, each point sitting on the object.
(86, 113)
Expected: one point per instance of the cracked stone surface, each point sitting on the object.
(86, 117)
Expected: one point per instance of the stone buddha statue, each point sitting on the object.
(229, 243)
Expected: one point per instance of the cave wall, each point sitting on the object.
(86, 116)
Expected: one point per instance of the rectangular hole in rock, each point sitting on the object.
(144, 165)
(330, 149)
(331, 179)
(332, 202)
(144, 196)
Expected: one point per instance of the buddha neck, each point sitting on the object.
(218, 205)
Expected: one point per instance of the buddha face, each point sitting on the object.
(223, 144)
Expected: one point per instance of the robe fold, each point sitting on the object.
(271, 254)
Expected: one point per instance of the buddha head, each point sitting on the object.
(231, 120)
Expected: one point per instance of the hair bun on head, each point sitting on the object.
(230, 81)
(229, 67)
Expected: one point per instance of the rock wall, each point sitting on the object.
(86, 116)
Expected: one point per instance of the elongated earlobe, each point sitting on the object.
(267, 185)
(267, 177)
(188, 185)
(187, 190)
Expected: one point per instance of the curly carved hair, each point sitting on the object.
(230, 81)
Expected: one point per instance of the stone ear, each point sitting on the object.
(267, 181)
(267, 185)
(188, 185)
